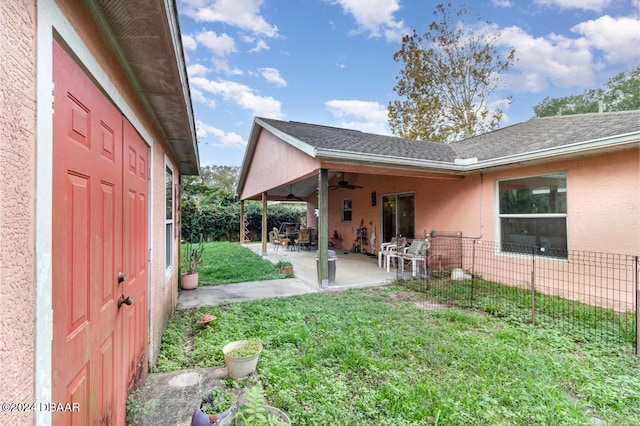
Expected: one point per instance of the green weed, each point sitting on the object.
(371, 357)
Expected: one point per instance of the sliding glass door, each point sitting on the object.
(398, 216)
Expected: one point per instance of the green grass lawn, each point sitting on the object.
(373, 357)
(225, 262)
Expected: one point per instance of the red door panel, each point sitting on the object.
(98, 347)
(135, 253)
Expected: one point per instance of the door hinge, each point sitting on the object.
(53, 99)
(149, 259)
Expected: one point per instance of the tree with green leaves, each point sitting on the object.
(210, 209)
(622, 93)
(448, 77)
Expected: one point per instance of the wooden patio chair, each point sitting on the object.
(274, 238)
(304, 238)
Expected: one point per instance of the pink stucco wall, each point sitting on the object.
(17, 205)
(164, 287)
(18, 185)
(603, 216)
(275, 162)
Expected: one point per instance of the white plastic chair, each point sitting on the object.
(383, 248)
(415, 254)
(394, 250)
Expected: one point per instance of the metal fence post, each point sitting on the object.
(473, 269)
(533, 286)
(637, 307)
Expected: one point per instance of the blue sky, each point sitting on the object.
(331, 62)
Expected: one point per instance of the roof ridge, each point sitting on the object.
(561, 116)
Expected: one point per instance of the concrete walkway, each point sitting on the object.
(170, 398)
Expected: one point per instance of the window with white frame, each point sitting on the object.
(347, 210)
(168, 218)
(533, 215)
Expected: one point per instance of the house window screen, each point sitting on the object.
(168, 204)
(533, 215)
(347, 210)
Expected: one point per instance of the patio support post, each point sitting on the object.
(323, 228)
(264, 224)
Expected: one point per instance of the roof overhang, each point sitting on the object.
(565, 152)
(460, 167)
(146, 38)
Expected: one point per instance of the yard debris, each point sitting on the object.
(206, 319)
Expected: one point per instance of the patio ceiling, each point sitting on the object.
(146, 38)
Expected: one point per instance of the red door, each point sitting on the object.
(136, 254)
(90, 359)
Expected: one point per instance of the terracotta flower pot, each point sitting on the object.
(189, 281)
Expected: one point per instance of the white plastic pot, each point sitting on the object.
(239, 367)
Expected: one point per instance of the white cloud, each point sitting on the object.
(260, 45)
(595, 5)
(272, 75)
(618, 38)
(197, 70)
(188, 42)
(243, 14)
(375, 17)
(227, 139)
(241, 95)
(198, 96)
(501, 3)
(370, 116)
(554, 60)
(221, 45)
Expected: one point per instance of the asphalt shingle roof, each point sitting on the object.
(530, 136)
(548, 132)
(334, 138)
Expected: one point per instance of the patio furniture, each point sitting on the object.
(383, 247)
(394, 250)
(415, 254)
(292, 234)
(274, 238)
(304, 238)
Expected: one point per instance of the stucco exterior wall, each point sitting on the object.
(19, 256)
(164, 284)
(444, 204)
(17, 205)
(275, 162)
(603, 215)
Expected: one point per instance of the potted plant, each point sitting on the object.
(241, 357)
(254, 412)
(216, 405)
(191, 258)
(285, 267)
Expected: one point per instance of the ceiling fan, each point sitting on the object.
(291, 196)
(344, 184)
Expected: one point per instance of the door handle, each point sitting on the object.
(121, 277)
(125, 300)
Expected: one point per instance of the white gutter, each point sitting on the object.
(590, 145)
(387, 159)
